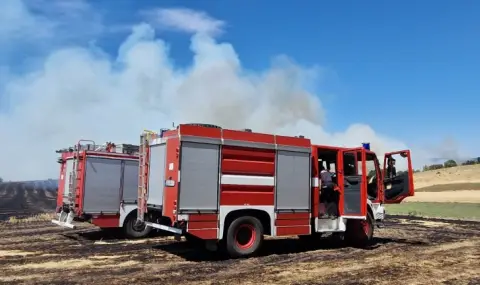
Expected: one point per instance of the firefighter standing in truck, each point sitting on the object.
(328, 191)
(391, 170)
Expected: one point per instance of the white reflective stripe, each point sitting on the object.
(355, 217)
(247, 180)
(157, 141)
(315, 182)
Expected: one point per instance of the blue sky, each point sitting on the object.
(408, 59)
(408, 69)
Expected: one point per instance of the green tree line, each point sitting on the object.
(451, 163)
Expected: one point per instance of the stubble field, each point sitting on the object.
(456, 184)
(408, 251)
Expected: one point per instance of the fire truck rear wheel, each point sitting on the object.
(244, 236)
(131, 230)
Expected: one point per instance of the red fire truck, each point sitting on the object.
(232, 187)
(98, 184)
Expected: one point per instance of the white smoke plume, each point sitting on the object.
(82, 92)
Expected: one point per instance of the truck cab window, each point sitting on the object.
(349, 165)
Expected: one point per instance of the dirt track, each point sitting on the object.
(406, 252)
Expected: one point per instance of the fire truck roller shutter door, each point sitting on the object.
(130, 181)
(102, 185)
(156, 177)
(293, 181)
(200, 173)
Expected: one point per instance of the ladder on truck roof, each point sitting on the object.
(143, 167)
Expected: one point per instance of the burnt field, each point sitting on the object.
(21, 199)
(407, 251)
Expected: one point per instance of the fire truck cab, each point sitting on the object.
(229, 188)
(98, 184)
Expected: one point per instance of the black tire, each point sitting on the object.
(244, 237)
(132, 231)
(359, 233)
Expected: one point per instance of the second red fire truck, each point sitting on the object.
(229, 188)
(98, 184)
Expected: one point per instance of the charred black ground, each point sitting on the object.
(21, 199)
(407, 250)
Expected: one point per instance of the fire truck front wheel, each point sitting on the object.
(360, 232)
(244, 236)
(132, 230)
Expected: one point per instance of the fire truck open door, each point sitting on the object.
(352, 181)
(399, 186)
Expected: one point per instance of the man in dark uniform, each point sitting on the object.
(391, 170)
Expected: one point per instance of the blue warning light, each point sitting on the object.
(366, 146)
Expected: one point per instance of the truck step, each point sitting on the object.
(164, 228)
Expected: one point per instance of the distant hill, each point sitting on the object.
(464, 177)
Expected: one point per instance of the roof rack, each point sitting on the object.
(202, 125)
(107, 147)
